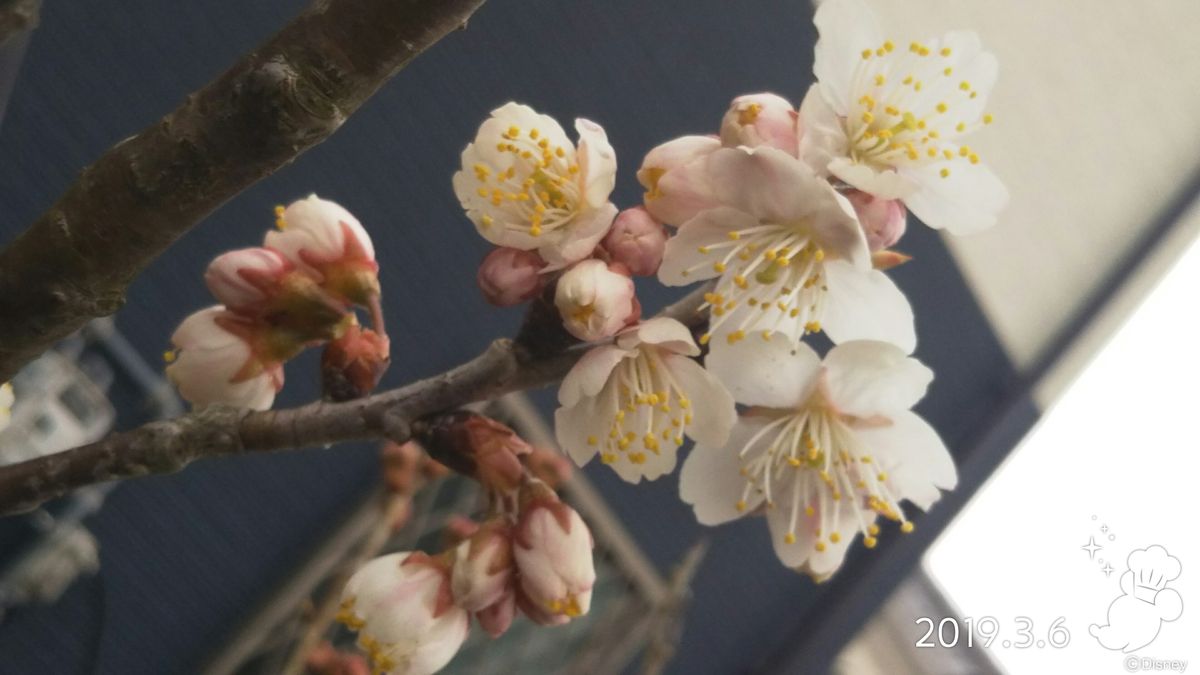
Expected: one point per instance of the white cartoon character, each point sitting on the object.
(1135, 617)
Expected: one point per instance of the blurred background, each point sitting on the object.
(1062, 341)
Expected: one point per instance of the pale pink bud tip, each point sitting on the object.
(637, 241)
(220, 358)
(553, 551)
(508, 276)
(595, 301)
(352, 365)
(248, 279)
(483, 567)
(883, 220)
(757, 120)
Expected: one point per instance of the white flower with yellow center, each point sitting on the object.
(889, 118)
(633, 402)
(788, 254)
(826, 449)
(526, 186)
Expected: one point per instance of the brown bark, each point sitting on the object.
(161, 447)
(18, 16)
(75, 262)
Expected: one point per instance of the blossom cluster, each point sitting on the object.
(531, 554)
(295, 291)
(791, 215)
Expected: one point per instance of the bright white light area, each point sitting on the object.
(1117, 461)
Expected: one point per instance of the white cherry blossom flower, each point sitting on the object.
(595, 301)
(220, 360)
(788, 254)
(633, 402)
(891, 118)
(526, 186)
(826, 448)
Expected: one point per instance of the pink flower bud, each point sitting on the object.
(883, 220)
(595, 301)
(553, 550)
(675, 176)
(322, 237)
(483, 567)
(223, 358)
(352, 364)
(401, 606)
(246, 280)
(508, 276)
(637, 241)
(762, 119)
(497, 617)
(476, 446)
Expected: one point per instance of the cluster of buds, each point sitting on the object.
(298, 290)
(531, 554)
(545, 205)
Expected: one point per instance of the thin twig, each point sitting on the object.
(76, 261)
(166, 446)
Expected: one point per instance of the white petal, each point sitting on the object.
(683, 191)
(597, 162)
(914, 457)
(846, 28)
(577, 240)
(573, 426)
(803, 552)
(713, 412)
(967, 200)
(588, 375)
(866, 306)
(886, 184)
(867, 378)
(711, 480)
(683, 250)
(769, 184)
(778, 373)
(823, 137)
(662, 331)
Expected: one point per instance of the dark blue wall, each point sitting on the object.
(185, 556)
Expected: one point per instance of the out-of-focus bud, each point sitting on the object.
(595, 301)
(883, 220)
(325, 659)
(509, 276)
(497, 617)
(637, 241)
(401, 462)
(553, 550)
(755, 120)
(549, 466)
(474, 445)
(320, 236)
(886, 260)
(402, 608)
(483, 566)
(458, 529)
(221, 358)
(352, 364)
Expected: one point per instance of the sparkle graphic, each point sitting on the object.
(1091, 547)
(1107, 569)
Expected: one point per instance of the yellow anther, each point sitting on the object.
(888, 45)
(749, 114)
(279, 210)
(948, 154)
(974, 158)
(718, 267)
(835, 537)
(870, 541)
(866, 54)
(810, 511)
(705, 338)
(793, 460)
(945, 51)
(945, 173)
(734, 235)
(740, 281)
(948, 71)
(891, 110)
(987, 119)
(942, 107)
(907, 526)
(880, 79)
(789, 538)
(486, 221)
(867, 118)
(169, 356)
(513, 131)
(961, 127)
(820, 547)
(964, 85)
(736, 336)
(592, 440)
(702, 250)
(873, 529)
(740, 505)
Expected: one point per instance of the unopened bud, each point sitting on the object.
(595, 300)
(320, 236)
(637, 241)
(508, 276)
(474, 445)
(222, 358)
(247, 280)
(352, 364)
(883, 220)
(497, 617)
(553, 550)
(757, 120)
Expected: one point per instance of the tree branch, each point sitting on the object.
(161, 447)
(75, 262)
(17, 16)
